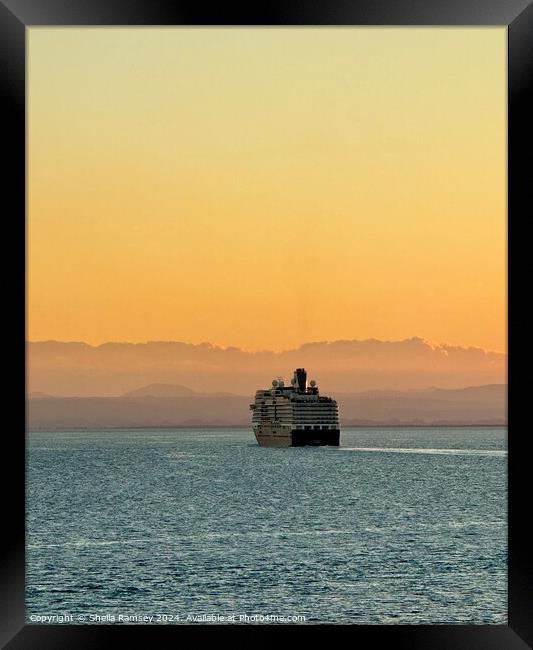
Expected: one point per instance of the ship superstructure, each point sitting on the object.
(295, 415)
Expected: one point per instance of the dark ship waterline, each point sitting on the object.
(295, 415)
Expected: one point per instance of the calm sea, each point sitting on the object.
(402, 525)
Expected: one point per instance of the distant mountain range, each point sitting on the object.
(161, 390)
(113, 369)
(171, 405)
(169, 390)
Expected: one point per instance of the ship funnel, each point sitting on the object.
(300, 376)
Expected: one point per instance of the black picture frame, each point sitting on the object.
(15, 17)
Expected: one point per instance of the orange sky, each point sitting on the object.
(264, 187)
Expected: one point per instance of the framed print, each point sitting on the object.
(268, 321)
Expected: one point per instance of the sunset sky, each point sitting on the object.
(264, 187)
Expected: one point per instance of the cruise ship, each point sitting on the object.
(295, 415)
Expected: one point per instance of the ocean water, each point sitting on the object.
(403, 525)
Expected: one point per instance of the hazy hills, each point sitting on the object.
(173, 383)
(161, 390)
(179, 406)
(169, 390)
(112, 369)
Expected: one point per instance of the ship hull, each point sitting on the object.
(272, 437)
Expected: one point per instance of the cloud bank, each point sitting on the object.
(79, 369)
